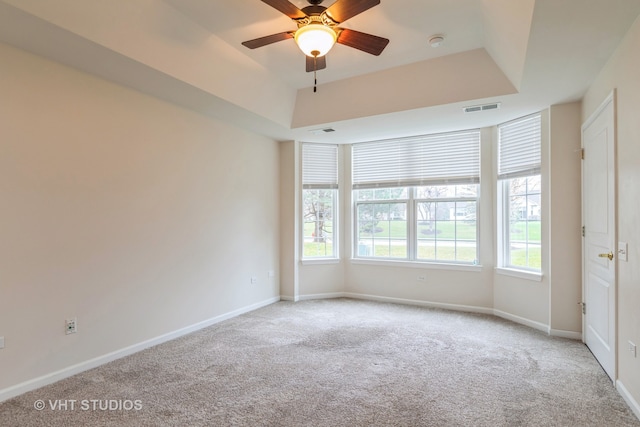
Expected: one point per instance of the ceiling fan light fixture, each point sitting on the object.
(315, 39)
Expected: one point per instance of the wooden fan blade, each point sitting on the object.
(362, 41)
(342, 10)
(263, 41)
(287, 8)
(321, 63)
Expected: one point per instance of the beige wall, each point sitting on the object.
(470, 287)
(133, 215)
(565, 218)
(289, 220)
(621, 73)
(549, 304)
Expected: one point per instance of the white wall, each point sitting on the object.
(136, 216)
(621, 73)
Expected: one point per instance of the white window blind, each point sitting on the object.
(519, 147)
(449, 158)
(319, 166)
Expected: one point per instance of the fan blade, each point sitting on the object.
(263, 41)
(342, 10)
(362, 41)
(287, 8)
(320, 63)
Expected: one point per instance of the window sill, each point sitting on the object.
(520, 274)
(320, 261)
(413, 264)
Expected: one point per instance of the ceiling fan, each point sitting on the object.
(318, 29)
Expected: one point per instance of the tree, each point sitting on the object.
(318, 209)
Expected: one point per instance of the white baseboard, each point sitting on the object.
(633, 404)
(329, 295)
(454, 307)
(286, 298)
(522, 320)
(566, 334)
(53, 377)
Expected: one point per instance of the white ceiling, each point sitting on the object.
(407, 23)
(526, 54)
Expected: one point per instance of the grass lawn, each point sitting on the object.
(317, 249)
(445, 230)
(436, 244)
(519, 257)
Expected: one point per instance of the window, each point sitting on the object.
(416, 199)
(319, 200)
(519, 185)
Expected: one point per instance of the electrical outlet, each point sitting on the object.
(254, 280)
(422, 278)
(632, 349)
(71, 326)
(271, 273)
(1, 342)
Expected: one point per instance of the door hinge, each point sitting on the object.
(583, 231)
(582, 153)
(584, 307)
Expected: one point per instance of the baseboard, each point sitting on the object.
(286, 298)
(53, 377)
(633, 404)
(329, 295)
(566, 334)
(454, 307)
(523, 321)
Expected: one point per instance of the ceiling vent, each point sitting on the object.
(321, 131)
(485, 107)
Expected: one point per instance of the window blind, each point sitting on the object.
(449, 158)
(519, 147)
(319, 166)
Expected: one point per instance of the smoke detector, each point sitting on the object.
(436, 40)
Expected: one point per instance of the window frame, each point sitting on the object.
(412, 239)
(525, 170)
(315, 178)
(505, 258)
(334, 223)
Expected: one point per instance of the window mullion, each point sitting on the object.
(412, 240)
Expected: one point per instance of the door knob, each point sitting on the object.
(609, 255)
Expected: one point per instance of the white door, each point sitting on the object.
(599, 220)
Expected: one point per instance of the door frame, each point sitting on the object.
(610, 99)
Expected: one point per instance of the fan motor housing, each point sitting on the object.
(314, 10)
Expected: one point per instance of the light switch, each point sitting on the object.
(1, 342)
(623, 250)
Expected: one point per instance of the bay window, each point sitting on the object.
(416, 199)
(319, 201)
(519, 189)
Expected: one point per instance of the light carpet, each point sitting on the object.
(340, 363)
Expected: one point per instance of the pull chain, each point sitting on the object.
(315, 54)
